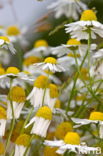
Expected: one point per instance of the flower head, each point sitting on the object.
(23, 140)
(53, 91)
(44, 112)
(17, 94)
(31, 60)
(96, 116)
(41, 82)
(73, 41)
(13, 31)
(13, 70)
(62, 129)
(72, 138)
(40, 43)
(51, 60)
(88, 15)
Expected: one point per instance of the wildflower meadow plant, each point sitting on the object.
(51, 96)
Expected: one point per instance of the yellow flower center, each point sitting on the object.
(62, 130)
(2, 113)
(17, 94)
(57, 104)
(96, 116)
(72, 138)
(40, 43)
(84, 74)
(53, 91)
(2, 148)
(31, 60)
(73, 41)
(23, 139)
(72, 55)
(44, 112)
(6, 39)
(13, 31)
(80, 97)
(51, 60)
(50, 151)
(2, 71)
(41, 82)
(88, 15)
(12, 70)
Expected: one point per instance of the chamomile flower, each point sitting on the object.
(95, 117)
(16, 34)
(41, 49)
(39, 90)
(72, 44)
(2, 149)
(71, 142)
(17, 77)
(71, 8)
(29, 61)
(6, 44)
(87, 24)
(18, 97)
(21, 144)
(42, 119)
(62, 129)
(50, 63)
(51, 95)
(3, 119)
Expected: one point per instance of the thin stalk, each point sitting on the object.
(75, 80)
(26, 121)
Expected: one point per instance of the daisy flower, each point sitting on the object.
(16, 76)
(87, 24)
(42, 119)
(18, 97)
(72, 44)
(2, 149)
(51, 95)
(16, 34)
(62, 129)
(41, 49)
(39, 89)
(3, 119)
(6, 44)
(29, 61)
(95, 117)
(71, 142)
(71, 8)
(21, 143)
(50, 63)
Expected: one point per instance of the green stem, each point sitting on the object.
(27, 119)
(75, 80)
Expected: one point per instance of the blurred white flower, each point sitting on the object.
(51, 64)
(87, 24)
(69, 8)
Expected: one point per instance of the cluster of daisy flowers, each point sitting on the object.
(51, 104)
